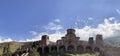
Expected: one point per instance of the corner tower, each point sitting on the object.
(45, 40)
(99, 40)
(91, 41)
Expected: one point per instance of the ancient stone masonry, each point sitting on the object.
(70, 42)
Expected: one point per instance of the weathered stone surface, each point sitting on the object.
(70, 43)
(112, 51)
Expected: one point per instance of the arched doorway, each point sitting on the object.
(96, 49)
(62, 49)
(88, 49)
(53, 49)
(80, 48)
(70, 48)
(39, 49)
(46, 49)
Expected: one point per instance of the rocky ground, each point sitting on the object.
(112, 51)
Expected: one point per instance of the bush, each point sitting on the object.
(6, 51)
(33, 52)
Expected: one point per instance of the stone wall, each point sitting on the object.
(70, 43)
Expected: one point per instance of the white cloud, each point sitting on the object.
(1, 41)
(56, 36)
(107, 29)
(33, 32)
(57, 20)
(90, 18)
(118, 11)
(53, 26)
(53, 37)
(5, 40)
(8, 40)
(112, 18)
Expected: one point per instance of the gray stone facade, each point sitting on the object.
(70, 43)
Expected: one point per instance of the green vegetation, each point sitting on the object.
(15, 45)
(1, 51)
(6, 51)
(70, 54)
(12, 46)
(86, 54)
(33, 52)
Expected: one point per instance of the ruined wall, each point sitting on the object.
(70, 43)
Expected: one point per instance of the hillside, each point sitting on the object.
(13, 46)
(16, 45)
(112, 41)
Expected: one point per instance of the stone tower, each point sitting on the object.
(70, 33)
(45, 40)
(99, 40)
(91, 41)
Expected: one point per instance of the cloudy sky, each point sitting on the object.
(27, 20)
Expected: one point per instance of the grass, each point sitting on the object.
(70, 54)
(16, 45)
(1, 49)
(13, 46)
(81, 54)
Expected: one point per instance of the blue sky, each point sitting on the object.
(26, 19)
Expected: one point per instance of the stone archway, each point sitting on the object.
(80, 48)
(54, 49)
(96, 49)
(70, 48)
(62, 49)
(88, 49)
(39, 49)
(46, 49)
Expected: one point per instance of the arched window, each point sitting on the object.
(46, 49)
(62, 49)
(70, 48)
(96, 49)
(53, 49)
(80, 48)
(39, 49)
(88, 49)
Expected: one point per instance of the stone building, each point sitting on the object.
(70, 43)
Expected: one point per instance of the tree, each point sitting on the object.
(33, 52)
